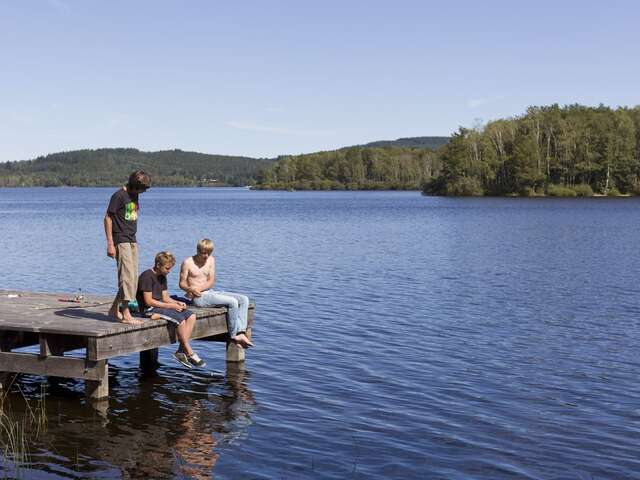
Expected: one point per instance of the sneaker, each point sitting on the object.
(196, 360)
(182, 358)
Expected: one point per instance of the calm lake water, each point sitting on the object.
(398, 336)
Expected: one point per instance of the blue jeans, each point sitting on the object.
(238, 308)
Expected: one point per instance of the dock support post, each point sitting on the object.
(98, 389)
(5, 377)
(235, 353)
(149, 360)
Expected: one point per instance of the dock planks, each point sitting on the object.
(29, 318)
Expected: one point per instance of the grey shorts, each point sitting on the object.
(168, 314)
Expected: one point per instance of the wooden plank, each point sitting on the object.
(211, 325)
(51, 344)
(223, 337)
(54, 366)
(44, 313)
(160, 334)
(102, 348)
(98, 389)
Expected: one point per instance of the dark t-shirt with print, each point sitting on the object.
(150, 281)
(123, 210)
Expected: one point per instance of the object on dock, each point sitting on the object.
(28, 319)
(69, 300)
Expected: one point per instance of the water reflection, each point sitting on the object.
(173, 423)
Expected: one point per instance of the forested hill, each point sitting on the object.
(353, 168)
(550, 150)
(411, 142)
(110, 166)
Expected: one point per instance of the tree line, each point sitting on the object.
(352, 168)
(110, 166)
(549, 150)
(552, 150)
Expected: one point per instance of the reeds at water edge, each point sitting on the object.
(17, 431)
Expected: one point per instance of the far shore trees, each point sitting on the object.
(573, 150)
(552, 150)
(353, 168)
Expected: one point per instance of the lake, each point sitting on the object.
(397, 336)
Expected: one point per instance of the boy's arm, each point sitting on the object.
(184, 280)
(171, 303)
(108, 231)
(167, 302)
(211, 274)
(115, 203)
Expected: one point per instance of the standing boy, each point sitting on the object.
(153, 299)
(120, 227)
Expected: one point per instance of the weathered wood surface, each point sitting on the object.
(57, 326)
(98, 389)
(70, 367)
(45, 313)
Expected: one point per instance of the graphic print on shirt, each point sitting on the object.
(131, 212)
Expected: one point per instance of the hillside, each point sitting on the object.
(387, 164)
(353, 168)
(548, 150)
(110, 166)
(411, 142)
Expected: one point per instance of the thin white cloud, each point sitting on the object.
(478, 102)
(252, 127)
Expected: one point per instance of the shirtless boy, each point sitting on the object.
(120, 227)
(153, 299)
(197, 277)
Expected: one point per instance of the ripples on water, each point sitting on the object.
(398, 336)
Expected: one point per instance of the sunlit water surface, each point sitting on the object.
(398, 336)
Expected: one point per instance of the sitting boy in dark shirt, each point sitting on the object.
(153, 299)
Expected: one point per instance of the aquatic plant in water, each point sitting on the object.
(18, 430)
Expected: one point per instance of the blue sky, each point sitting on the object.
(263, 78)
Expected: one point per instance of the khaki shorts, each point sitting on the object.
(127, 258)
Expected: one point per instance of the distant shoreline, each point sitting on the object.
(255, 188)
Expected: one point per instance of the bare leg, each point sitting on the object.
(114, 311)
(184, 334)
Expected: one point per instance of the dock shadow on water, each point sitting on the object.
(175, 423)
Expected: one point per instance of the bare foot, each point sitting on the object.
(116, 314)
(129, 320)
(242, 340)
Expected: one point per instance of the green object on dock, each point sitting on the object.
(133, 306)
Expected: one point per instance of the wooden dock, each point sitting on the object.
(39, 319)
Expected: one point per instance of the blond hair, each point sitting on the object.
(165, 258)
(205, 246)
